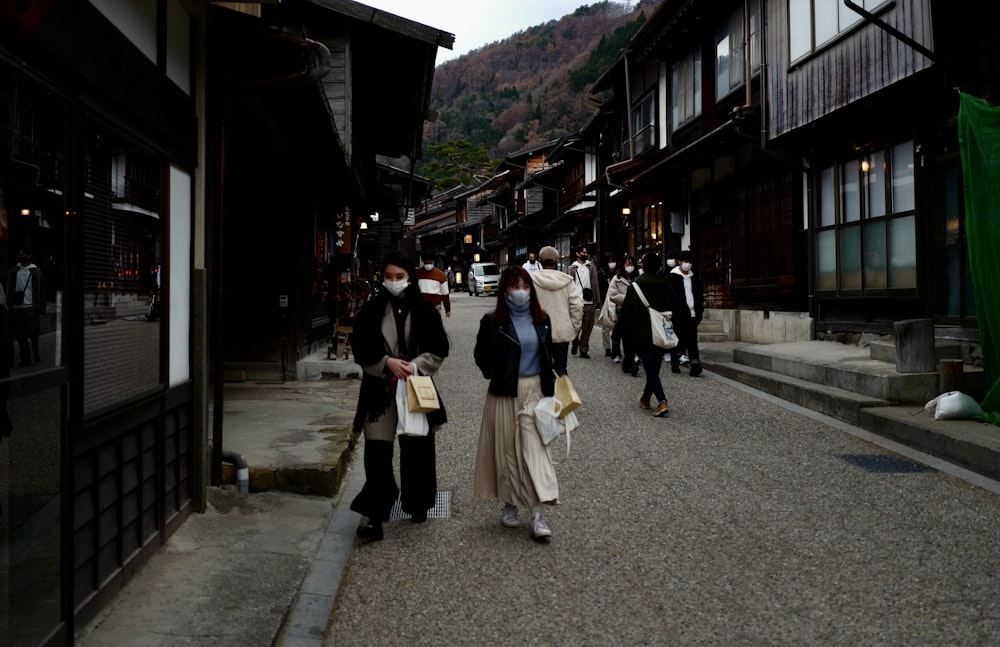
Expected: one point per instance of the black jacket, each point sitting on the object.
(498, 355)
(683, 315)
(633, 320)
(427, 335)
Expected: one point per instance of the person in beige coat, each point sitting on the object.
(561, 298)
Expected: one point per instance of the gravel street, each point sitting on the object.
(733, 521)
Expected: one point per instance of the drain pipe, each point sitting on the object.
(242, 470)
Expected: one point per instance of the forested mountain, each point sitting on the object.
(526, 89)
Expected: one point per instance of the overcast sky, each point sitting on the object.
(478, 22)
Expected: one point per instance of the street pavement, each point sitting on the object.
(737, 520)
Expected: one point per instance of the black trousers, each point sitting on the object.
(687, 334)
(417, 478)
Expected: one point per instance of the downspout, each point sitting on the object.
(628, 108)
(242, 470)
(764, 80)
(747, 56)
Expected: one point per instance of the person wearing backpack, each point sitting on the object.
(635, 326)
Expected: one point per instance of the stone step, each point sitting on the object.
(851, 368)
(712, 326)
(837, 403)
(885, 351)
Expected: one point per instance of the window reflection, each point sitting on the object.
(32, 216)
(123, 265)
(31, 517)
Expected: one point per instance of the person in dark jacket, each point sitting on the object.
(396, 334)
(634, 323)
(691, 297)
(514, 352)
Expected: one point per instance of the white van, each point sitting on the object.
(484, 278)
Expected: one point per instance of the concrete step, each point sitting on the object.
(712, 337)
(712, 326)
(837, 403)
(840, 366)
(318, 367)
(885, 351)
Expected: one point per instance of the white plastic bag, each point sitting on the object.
(547, 419)
(954, 405)
(408, 424)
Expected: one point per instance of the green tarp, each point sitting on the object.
(979, 141)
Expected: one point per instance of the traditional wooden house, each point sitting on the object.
(807, 154)
(310, 95)
(690, 175)
(864, 95)
(101, 179)
(142, 142)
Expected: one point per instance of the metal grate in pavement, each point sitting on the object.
(883, 463)
(441, 509)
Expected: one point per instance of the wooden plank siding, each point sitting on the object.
(857, 64)
(336, 86)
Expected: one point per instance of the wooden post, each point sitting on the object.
(950, 375)
(915, 345)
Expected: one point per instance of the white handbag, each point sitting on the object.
(662, 328)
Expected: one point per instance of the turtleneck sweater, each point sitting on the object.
(520, 316)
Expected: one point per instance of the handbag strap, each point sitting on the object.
(638, 291)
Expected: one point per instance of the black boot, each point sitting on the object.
(371, 532)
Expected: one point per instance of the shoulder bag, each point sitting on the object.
(659, 322)
(608, 316)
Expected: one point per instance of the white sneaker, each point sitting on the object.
(539, 529)
(684, 360)
(617, 359)
(509, 516)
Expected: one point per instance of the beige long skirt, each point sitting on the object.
(512, 464)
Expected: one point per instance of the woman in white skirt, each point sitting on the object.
(514, 352)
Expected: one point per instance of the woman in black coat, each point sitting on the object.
(395, 335)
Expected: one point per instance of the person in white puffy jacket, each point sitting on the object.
(561, 298)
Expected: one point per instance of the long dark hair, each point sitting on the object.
(507, 277)
(621, 266)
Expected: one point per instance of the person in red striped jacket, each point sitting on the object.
(433, 284)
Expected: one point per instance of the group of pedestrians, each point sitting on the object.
(675, 288)
(400, 333)
(542, 315)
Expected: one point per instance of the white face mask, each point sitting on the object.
(428, 266)
(685, 267)
(612, 266)
(629, 268)
(519, 298)
(671, 262)
(395, 288)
